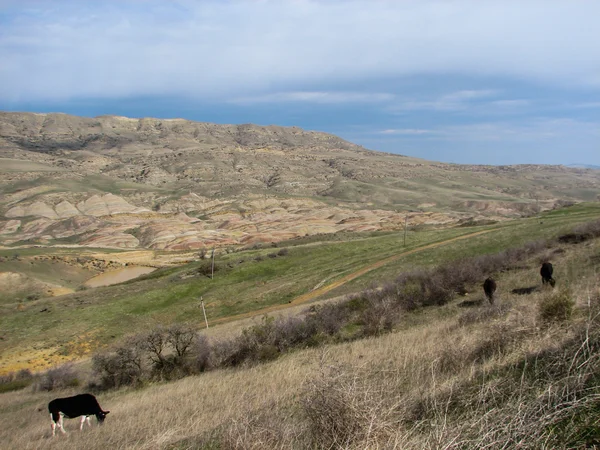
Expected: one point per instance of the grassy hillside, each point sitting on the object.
(45, 331)
(521, 373)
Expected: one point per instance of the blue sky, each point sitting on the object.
(491, 82)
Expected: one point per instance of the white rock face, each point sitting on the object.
(106, 205)
(9, 226)
(95, 206)
(65, 210)
(37, 209)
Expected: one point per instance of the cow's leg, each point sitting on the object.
(60, 424)
(53, 424)
(88, 421)
(81, 422)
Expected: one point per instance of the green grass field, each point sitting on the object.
(248, 281)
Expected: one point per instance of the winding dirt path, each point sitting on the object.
(304, 298)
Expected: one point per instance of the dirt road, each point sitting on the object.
(304, 298)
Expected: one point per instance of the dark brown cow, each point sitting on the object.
(489, 287)
(546, 273)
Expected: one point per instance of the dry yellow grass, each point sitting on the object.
(396, 389)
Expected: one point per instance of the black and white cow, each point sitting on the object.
(84, 405)
(546, 273)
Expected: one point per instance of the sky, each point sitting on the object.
(461, 81)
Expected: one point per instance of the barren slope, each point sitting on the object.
(176, 184)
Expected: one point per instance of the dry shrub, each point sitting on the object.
(163, 353)
(582, 233)
(556, 306)
(60, 377)
(256, 343)
(271, 427)
(272, 337)
(14, 381)
(329, 317)
(343, 408)
(200, 352)
(379, 317)
(435, 287)
(123, 366)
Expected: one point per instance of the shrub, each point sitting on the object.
(379, 317)
(200, 352)
(15, 381)
(60, 377)
(343, 410)
(329, 318)
(121, 367)
(582, 233)
(556, 306)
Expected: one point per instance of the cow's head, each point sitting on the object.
(101, 416)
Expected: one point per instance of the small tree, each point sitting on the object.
(180, 337)
(155, 343)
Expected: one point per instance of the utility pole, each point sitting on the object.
(204, 311)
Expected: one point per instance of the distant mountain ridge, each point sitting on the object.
(584, 166)
(176, 184)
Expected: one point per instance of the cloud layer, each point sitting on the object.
(242, 49)
(460, 81)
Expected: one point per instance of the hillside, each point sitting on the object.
(389, 367)
(174, 184)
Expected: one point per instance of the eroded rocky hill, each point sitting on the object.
(175, 184)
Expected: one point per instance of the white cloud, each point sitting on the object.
(407, 131)
(515, 103)
(316, 97)
(235, 49)
(453, 101)
(533, 130)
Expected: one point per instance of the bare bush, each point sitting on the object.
(329, 318)
(60, 377)
(582, 233)
(379, 317)
(343, 410)
(14, 381)
(123, 366)
(200, 354)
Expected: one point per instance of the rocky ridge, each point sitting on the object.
(175, 184)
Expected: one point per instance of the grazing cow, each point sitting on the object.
(546, 273)
(83, 405)
(489, 287)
